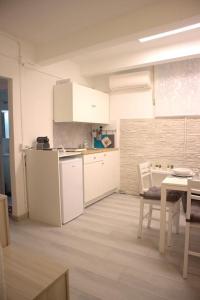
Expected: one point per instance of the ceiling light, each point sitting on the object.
(167, 33)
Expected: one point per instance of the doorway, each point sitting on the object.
(5, 178)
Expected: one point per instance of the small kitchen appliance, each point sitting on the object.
(42, 143)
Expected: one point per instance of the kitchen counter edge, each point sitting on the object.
(100, 150)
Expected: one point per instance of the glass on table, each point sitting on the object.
(196, 173)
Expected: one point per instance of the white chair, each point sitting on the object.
(192, 209)
(151, 196)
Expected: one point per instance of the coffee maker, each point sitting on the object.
(42, 143)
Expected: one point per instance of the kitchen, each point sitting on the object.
(33, 105)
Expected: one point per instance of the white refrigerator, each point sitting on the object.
(71, 188)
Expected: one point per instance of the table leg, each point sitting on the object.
(162, 219)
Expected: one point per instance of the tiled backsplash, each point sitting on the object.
(71, 135)
(174, 141)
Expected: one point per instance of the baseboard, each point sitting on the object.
(20, 218)
(100, 197)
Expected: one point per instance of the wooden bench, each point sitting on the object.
(4, 222)
(28, 275)
(31, 276)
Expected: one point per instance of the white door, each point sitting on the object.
(71, 183)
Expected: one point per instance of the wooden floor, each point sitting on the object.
(106, 259)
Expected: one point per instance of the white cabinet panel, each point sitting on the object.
(82, 104)
(101, 175)
(92, 180)
(111, 166)
(43, 186)
(71, 188)
(74, 102)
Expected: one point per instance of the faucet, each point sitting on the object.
(61, 148)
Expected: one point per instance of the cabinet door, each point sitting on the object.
(111, 170)
(90, 105)
(82, 105)
(100, 107)
(101, 174)
(92, 180)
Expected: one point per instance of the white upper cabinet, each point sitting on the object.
(77, 103)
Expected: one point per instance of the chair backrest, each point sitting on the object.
(145, 176)
(192, 194)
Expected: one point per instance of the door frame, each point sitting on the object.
(2, 182)
(11, 137)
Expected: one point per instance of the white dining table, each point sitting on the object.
(169, 183)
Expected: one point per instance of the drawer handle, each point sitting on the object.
(93, 105)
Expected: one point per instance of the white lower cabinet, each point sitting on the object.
(111, 170)
(101, 175)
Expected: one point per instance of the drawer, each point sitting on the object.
(93, 157)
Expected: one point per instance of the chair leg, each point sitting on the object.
(141, 217)
(169, 233)
(186, 251)
(150, 215)
(177, 218)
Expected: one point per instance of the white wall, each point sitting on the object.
(37, 97)
(37, 105)
(9, 68)
(32, 104)
(177, 88)
(131, 104)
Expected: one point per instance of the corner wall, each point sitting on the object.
(141, 136)
(32, 105)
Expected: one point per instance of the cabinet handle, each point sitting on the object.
(93, 105)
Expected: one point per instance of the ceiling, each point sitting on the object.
(126, 47)
(90, 32)
(43, 21)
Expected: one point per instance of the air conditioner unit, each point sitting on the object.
(136, 80)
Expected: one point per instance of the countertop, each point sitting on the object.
(75, 152)
(93, 151)
(71, 152)
(62, 154)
